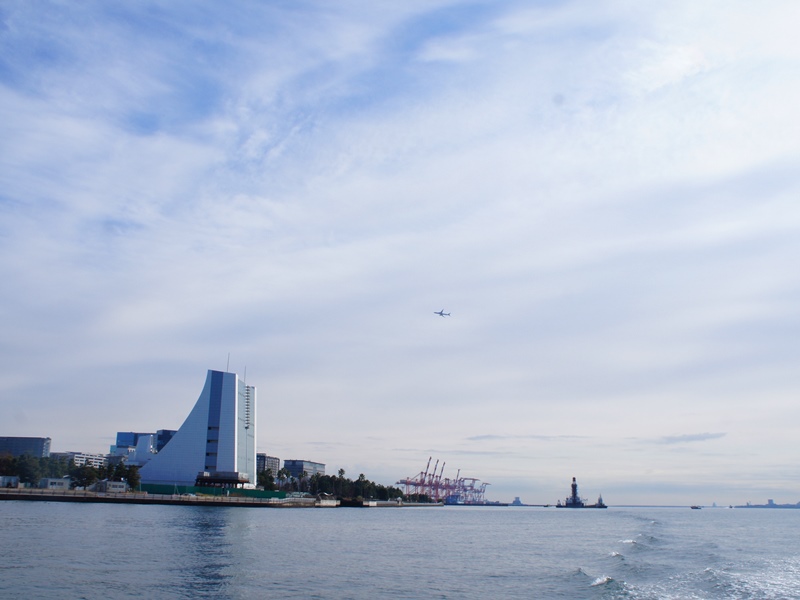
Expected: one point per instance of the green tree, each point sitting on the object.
(341, 483)
(283, 475)
(8, 464)
(266, 480)
(29, 469)
(361, 481)
(132, 477)
(54, 467)
(83, 476)
(119, 472)
(302, 482)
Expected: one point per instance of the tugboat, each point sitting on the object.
(575, 501)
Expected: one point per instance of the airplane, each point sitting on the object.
(441, 313)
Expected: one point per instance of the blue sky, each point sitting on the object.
(604, 196)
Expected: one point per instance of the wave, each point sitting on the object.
(602, 580)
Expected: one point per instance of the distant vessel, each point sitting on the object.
(456, 500)
(575, 501)
(770, 504)
(695, 507)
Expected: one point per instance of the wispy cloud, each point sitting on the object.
(544, 438)
(689, 438)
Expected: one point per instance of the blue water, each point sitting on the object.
(110, 551)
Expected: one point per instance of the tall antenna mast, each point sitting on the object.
(228, 365)
(247, 400)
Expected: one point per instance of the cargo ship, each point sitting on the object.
(575, 501)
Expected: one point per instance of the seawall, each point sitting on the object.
(146, 498)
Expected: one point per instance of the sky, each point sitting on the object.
(604, 195)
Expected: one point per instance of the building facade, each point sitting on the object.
(112, 487)
(17, 446)
(54, 483)
(162, 437)
(127, 439)
(9, 481)
(265, 462)
(216, 441)
(81, 458)
(296, 468)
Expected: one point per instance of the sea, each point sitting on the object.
(63, 550)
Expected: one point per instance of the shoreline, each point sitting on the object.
(37, 495)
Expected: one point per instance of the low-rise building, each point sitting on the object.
(111, 487)
(9, 481)
(54, 483)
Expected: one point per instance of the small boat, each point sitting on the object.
(695, 507)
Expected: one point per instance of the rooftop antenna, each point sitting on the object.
(247, 412)
(228, 365)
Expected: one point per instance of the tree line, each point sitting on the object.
(30, 469)
(338, 485)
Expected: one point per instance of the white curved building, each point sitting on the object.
(217, 441)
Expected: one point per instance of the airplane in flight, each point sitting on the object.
(441, 313)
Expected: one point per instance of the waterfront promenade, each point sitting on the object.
(41, 495)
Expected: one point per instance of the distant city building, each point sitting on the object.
(129, 438)
(163, 436)
(92, 460)
(113, 460)
(145, 450)
(137, 448)
(17, 446)
(265, 462)
(296, 468)
(216, 443)
(81, 458)
(127, 441)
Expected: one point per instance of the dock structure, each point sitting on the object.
(437, 488)
(575, 501)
